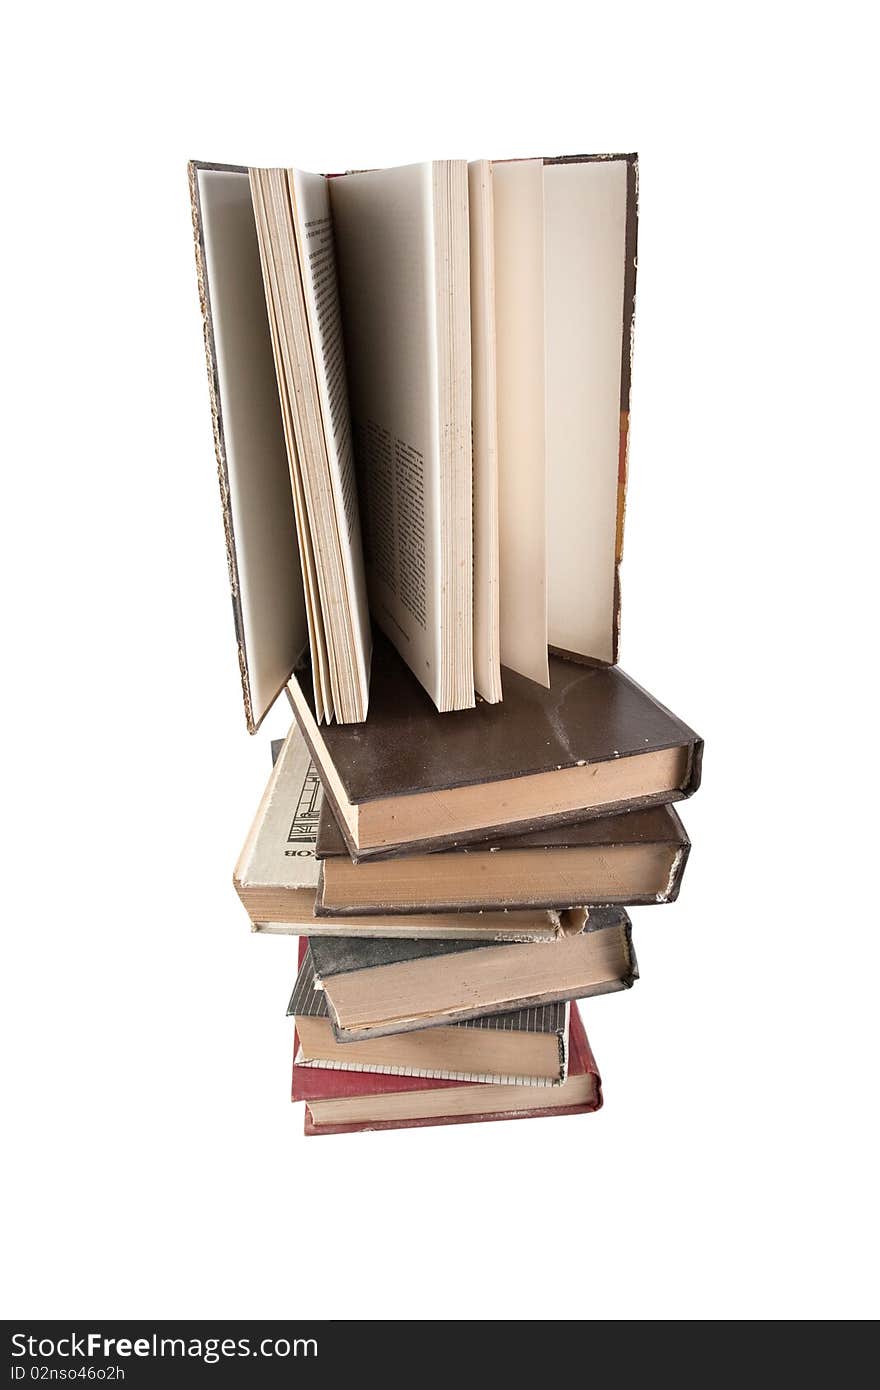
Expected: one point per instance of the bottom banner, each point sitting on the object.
(143, 1353)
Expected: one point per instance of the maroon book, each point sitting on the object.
(316, 1084)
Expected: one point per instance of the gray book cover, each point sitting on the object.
(336, 955)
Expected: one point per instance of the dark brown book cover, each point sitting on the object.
(656, 827)
(589, 716)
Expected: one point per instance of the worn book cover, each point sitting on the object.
(594, 744)
(345, 1103)
(626, 860)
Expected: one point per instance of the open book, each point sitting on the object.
(420, 385)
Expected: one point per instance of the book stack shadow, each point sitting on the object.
(444, 967)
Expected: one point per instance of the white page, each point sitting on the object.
(487, 666)
(384, 244)
(314, 234)
(519, 326)
(275, 308)
(584, 258)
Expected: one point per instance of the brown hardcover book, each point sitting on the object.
(629, 860)
(277, 873)
(595, 743)
(376, 987)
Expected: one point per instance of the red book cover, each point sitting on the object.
(319, 1083)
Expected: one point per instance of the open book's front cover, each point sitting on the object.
(262, 552)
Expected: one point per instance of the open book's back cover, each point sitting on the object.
(631, 236)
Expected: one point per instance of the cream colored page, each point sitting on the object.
(320, 679)
(314, 234)
(384, 245)
(487, 670)
(519, 331)
(263, 528)
(306, 446)
(584, 260)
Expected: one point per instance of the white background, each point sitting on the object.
(154, 1165)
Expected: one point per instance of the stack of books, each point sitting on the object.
(419, 384)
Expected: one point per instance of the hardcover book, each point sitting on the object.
(277, 873)
(625, 860)
(419, 388)
(376, 987)
(526, 1047)
(594, 744)
(339, 1102)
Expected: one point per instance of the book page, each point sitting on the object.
(301, 321)
(487, 658)
(314, 235)
(519, 327)
(584, 259)
(384, 245)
